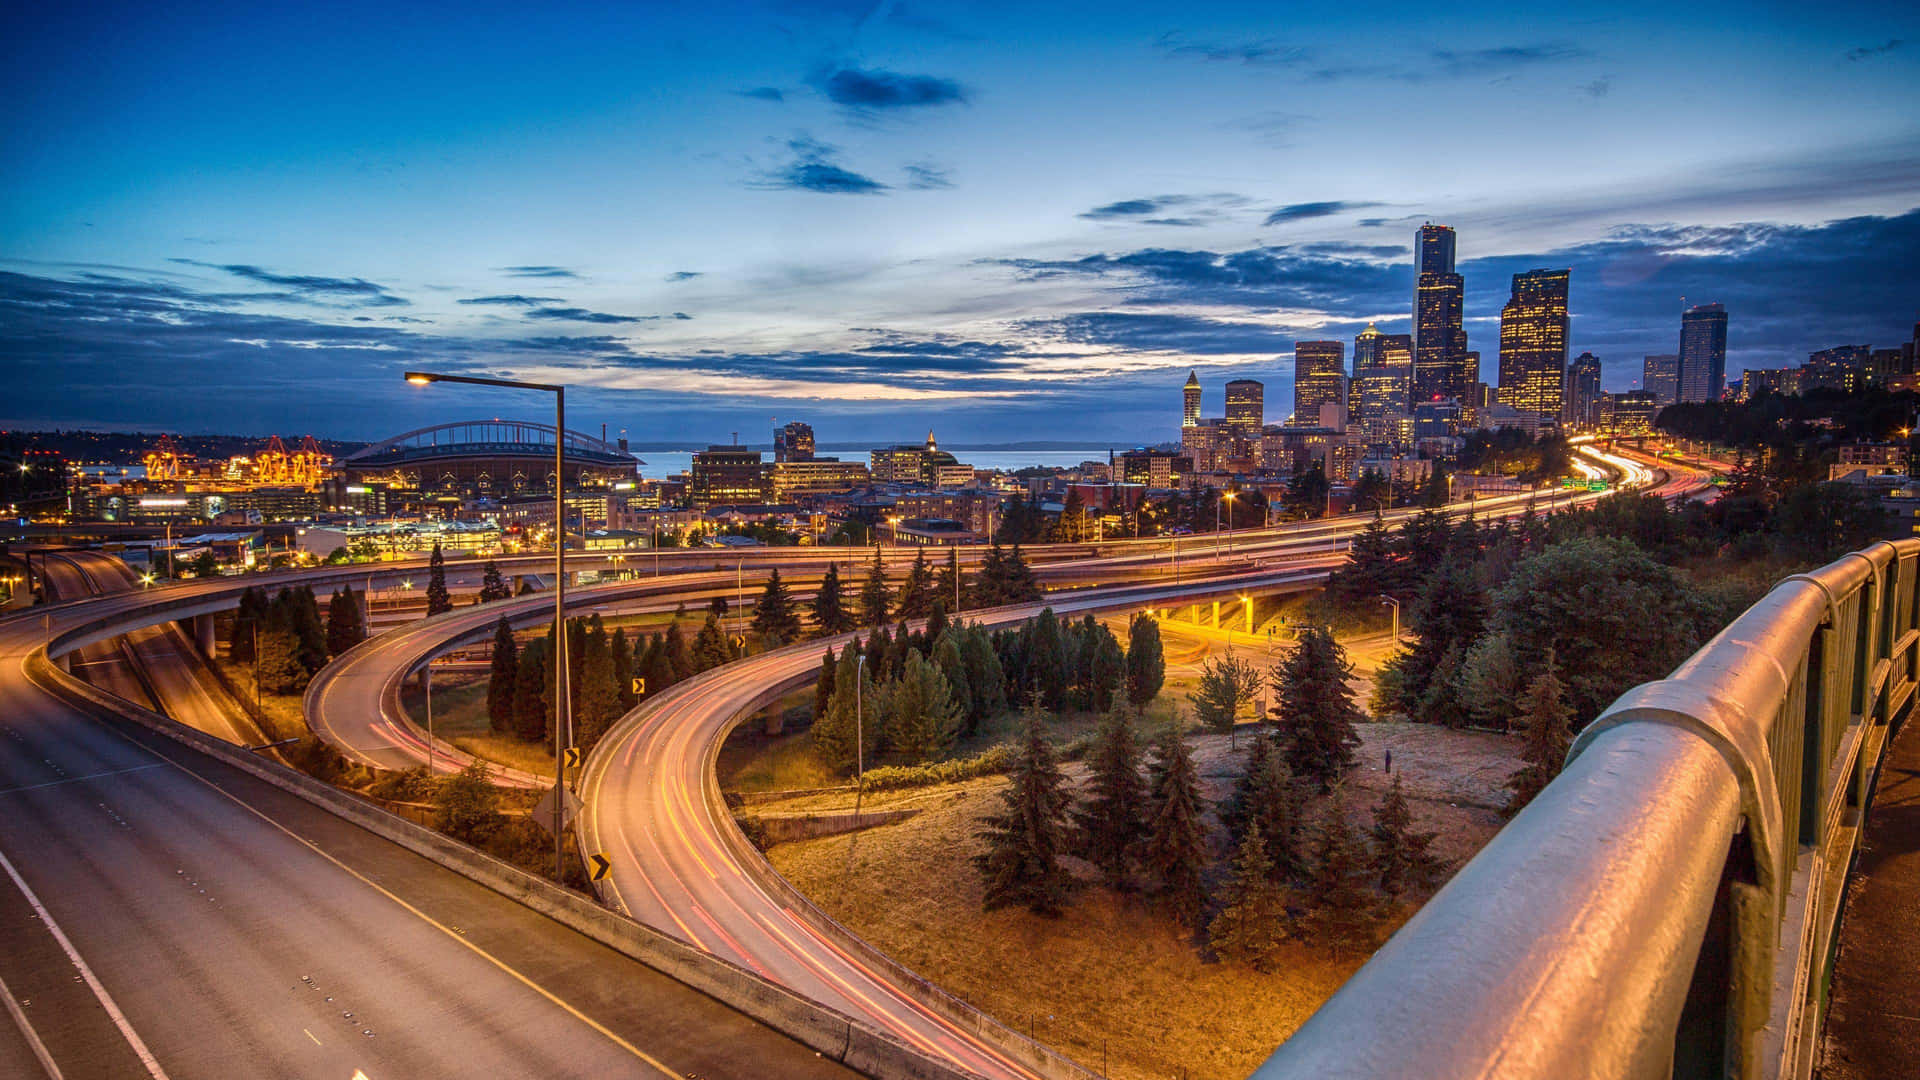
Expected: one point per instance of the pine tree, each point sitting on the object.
(1227, 685)
(1543, 721)
(625, 667)
(659, 671)
(990, 583)
(492, 585)
(1343, 905)
(679, 656)
(823, 685)
(1146, 661)
(1176, 849)
(278, 664)
(986, 680)
(1250, 928)
(849, 721)
(1021, 586)
(948, 584)
(501, 673)
(916, 593)
(1448, 616)
(922, 718)
(247, 619)
(711, 647)
(345, 628)
(876, 597)
(936, 623)
(1102, 666)
(829, 604)
(297, 610)
(1027, 837)
(773, 617)
(953, 666)
(438, 600)
(1072, 527)
(599, 695)
(1046, 673)
(1373, 566)
(531, 709)
(1112, 822)
(1316, 713)
(1278, 811)
(1401, 859)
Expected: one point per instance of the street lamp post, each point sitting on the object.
(562, 704)
(1396, 616)
(859, 723)
(1227, 498)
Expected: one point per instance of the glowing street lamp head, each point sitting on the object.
(419, 378)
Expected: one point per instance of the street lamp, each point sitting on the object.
(1227, 498)
(562, 705)
(1385, 599)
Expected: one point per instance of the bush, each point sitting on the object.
(989, 762)
(407, 785)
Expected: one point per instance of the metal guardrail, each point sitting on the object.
(1667, 906)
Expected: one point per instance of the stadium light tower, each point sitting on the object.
(562, 703)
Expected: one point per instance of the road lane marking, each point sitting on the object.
(77, 779)
(448, 931)
(33, 1037)
(310, 1035)
(93, 982)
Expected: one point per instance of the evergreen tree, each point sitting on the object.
(1021, 586)
(936, 623)
(1146, 661)
(823, 685)
(679, 657)
(1102, 665)
(246, 620)
(773, 617)
(1491, 682)
(990, 584)
(532, 710)
(345, 628)
(625, 667)
(1227, 685)
(829, 604)
(1072, 526)
(903, 645)
(1112, 823)
(1250, 928)
(986, 680)
(1342, 903)
(503, 669)
(876, 597)
(916, 594)
(295, 609)
(599, 695)
(1027, 837)
(492, 585)
(1315, 713)
(279, 666)
(659, 671)
(466, 803)
(711, 647)
(1236, 810)
(953, 667)
(1449, 614)
(1401, 859)
(1373, 568)
(947, 584)
(1176, 849)
(1046, 673)
(921, 715)
(438, 600)
(1543, 721)
(838, 736)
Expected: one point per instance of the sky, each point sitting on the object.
(1001, 221)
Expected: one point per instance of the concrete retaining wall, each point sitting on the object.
(787, 828)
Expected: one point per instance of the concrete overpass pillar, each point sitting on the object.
(203, 634)
(65, 660)
(776, 721)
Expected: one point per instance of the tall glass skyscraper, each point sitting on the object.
(1319, 378)
(1583, 391)
(1703, 353)
(1439, 326)
(1660, 376)
(1533, 343)
(1246, 408)
(1382, 374)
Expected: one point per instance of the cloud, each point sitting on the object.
(539, 272)
(1273, 128)
(764, 93)
(876, 88)
(1598, 88)
(1868, 52)
(683, 275)
(511, 300)
(574, 314)
(1459, 63)
(1305, 210)
(1153, 210)
(928, 177)
(1260, 52)
(309, 288)
(814, 168)
(682, 316)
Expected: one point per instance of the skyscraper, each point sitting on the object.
(1319, 378)
(1382, 376)
(1246, 408)
(1190, 410)
(1660, 376)
(1439, 327)
(1703, 353)
(1583, 391)
(1533, 343)
(793, 442)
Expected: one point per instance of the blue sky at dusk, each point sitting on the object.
(1002, 221)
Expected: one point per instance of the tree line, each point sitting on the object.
(283, 635)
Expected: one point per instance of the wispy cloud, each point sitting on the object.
(574, 314)
(1461, 63)
(924, 176)
(813, 167)
(683, 275)
(1260, 52)
(1598, 88)
(764, 93)
(877, 88)
(1868, 52)
(1305, 210)
(539, 272)
(310, 288)
(1174, 210)
(511, 300)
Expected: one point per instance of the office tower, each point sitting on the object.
(1660, 376)
(1319, 378)
(1439, 328)
(1703, 353)
(1190, 413)
(793, 442)
(1533, 343)
(1583, 391)
(1382, 374)
(1246, 408)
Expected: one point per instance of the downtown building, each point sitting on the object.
(1319, 379)
(1190, 401)
(1660, 376)
(1442, 366)
(1583, 392)
(793, 442)
(1246, 407)
(1703, 353)
(1379, 396)
(1533, 344)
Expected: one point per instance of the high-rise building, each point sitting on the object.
(1533, 343)
(1583, 392)
(1660, 376)
(1703, 353)
(726, 476)
(1190, 395)
(793, 442)
(1382, 374)
(1439, 319)
(1246, 407)
(1319, 378)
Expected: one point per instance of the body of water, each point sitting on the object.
(661, 464)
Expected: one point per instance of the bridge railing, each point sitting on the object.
(1667, 906)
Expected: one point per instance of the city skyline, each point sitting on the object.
(843, 217)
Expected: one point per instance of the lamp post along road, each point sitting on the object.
(562, 701)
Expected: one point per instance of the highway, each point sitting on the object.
(164, 915)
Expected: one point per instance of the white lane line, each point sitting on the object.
(77, 779)
(93, 982)
(33, 1037)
